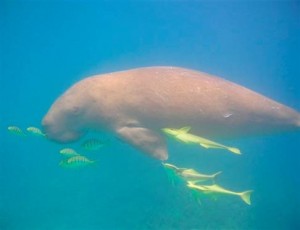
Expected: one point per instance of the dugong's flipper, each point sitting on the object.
(146, 140)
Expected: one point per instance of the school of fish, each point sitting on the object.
(202, 184)
(198, 183)
(71, 159)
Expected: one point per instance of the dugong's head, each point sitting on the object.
(63, 123)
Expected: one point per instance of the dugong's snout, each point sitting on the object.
(59, 133)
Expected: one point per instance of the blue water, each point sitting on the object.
(46, 46)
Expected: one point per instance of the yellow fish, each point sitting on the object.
(188, 138)
(216, 189)
(16, 130)
(35, 131)
(68, 152)
(190, 174)
(92, 144)
(76, 162)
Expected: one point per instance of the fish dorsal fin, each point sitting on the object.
(193, 171)
(185, 129)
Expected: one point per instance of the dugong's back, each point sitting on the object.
(159, 97)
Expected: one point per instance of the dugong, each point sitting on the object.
(136, 104)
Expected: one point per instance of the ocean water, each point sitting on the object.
(46, 46)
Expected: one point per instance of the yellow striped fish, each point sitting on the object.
(68, 152)
(76, 162)
(16, 131)
(92, 144)
(35, 131)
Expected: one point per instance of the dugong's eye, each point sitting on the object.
(75, 110)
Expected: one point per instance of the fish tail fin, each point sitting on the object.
(245, 196)
(215, 175)
(234, 150)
